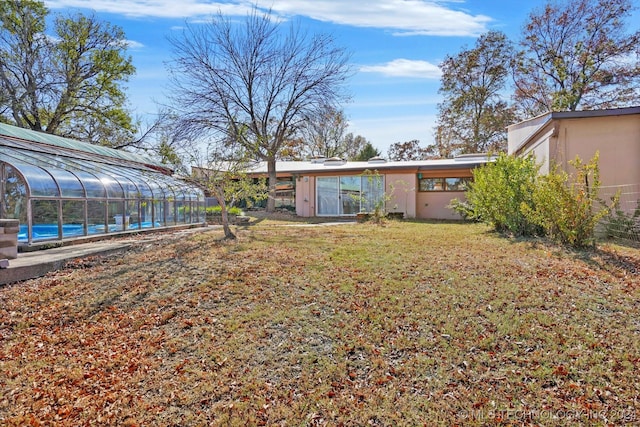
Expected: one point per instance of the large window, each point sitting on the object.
(444, 184)
(348, 195)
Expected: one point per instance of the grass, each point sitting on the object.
(406, 324)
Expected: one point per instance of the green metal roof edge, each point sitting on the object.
(72, 144)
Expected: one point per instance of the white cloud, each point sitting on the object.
(405, 68)
(402, 17)
(156, 8)
(132, 44)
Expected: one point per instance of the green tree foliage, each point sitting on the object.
(367, 152)
(577, 55)
(222, 173)
(69, 84)
(254, 82)
(473, 116)
(568, 208)
(497, 193)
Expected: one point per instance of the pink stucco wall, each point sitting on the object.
(616, 138)
(305, 196)
(559, 141)
(433, 204)
(401, 189)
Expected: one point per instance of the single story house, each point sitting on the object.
(556, 138)
(335, 187)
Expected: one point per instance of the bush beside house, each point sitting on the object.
(512, 197)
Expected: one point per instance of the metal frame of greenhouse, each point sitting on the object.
(59, 189)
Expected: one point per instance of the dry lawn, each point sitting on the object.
(405, 324)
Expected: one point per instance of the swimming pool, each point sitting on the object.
(50, 231)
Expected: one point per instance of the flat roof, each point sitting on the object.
(551, 115)
(331, 165)
(521, 133)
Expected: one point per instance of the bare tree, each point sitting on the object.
(406, 151)
(355, 145)
(254, 83)
(323, 135)
(577, 55)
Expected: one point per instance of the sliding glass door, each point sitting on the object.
(348, 195)
(327, 191)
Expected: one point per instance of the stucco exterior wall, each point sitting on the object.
(306, 196)
(519, 133)
(433, 204)
(402, 180)
(540, 150)
(403, 197)
(616, 138)
(401, 189)
(559, 140)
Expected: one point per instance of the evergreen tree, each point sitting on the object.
(367, 152)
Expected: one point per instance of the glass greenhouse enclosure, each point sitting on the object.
(61, 188)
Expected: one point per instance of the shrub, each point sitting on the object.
(567, 211)
(622, 225)
(497, 192)
(217, 211)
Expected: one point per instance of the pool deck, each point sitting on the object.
(30, 265)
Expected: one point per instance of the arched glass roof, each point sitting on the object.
(39, 182)
(68, 183)
(92, 185)
(93, 150)
(50, 175)
(60, 188)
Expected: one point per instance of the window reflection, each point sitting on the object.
(444, 184)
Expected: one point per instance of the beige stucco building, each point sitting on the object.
(335, 188)
(557, 138)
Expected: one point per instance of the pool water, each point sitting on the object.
(50, 231)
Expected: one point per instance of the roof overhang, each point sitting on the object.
(521, 134)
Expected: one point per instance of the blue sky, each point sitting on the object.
(396, 47)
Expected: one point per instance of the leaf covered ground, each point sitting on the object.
(405, 324)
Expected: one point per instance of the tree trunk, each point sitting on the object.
(271, 199)
(228, 234)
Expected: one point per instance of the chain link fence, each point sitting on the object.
(624, 221)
